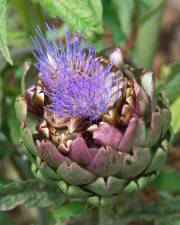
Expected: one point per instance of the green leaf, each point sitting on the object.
(16, 34)
(27, 19)
(144, 2)
(159, 212)
(112, 21)
(5, 146)
(97, 8)
(151, 12)
(171, 222)
(175, 111)
(31, 193)
(148, 34)
(83, 16)
(3, 180)
(98, 45)
(14, 127)
(3, 33)
(169, 83)
(124, 11)
(7, 219)
(168, 180)
(1, 98)
(72, 209)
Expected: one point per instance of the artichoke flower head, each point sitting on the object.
(98, 125)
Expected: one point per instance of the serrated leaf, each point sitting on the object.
(158, 212)
(72, 209)
(3, 33)
(31, 193)
(175, 111)
(97, 8)
(79, 15)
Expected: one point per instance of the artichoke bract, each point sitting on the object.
(90, 123)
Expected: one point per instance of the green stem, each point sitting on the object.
(43, 217)
(106, 215)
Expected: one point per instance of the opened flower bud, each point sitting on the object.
(91, 124)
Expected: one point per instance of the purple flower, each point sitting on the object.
(75, 81)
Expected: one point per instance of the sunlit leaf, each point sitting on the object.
(3, 33)
(97, 8)
(72, 209)
(79, 15)
(175, 110)
(16, 34)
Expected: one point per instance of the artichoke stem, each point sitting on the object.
(106, 215)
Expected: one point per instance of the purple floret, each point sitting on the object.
(75, 81)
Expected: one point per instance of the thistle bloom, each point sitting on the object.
(98, 127)
(76, 83)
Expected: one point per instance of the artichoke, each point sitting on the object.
(91, 124)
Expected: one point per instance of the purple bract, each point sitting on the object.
(74, 79)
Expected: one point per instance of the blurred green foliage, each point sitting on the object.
(3, 33)
(31, 192)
